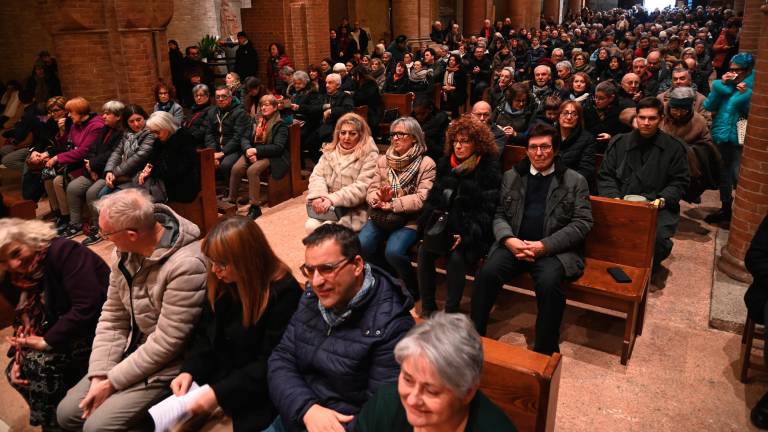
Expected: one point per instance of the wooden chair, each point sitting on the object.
(299, 182)
(203, 210)
(746, 362)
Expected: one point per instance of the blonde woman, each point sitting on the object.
(268, 149)
(340, 180)
(57, 287)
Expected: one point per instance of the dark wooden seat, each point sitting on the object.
(299, 182)
(362, 111)
(203, 210)
(515, 153)
(278, 191)
(15, 205)
(747, 360)
(402, 102)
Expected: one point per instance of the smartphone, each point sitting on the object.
(619, 275)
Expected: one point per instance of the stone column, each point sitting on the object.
(738, 7)
(413, 18)
(533, 13)
(552, 10)
(750, 30)
(475, 12)
(115, 49)
(574, 6)
(517, 12)
(751, 202)
(301, 25)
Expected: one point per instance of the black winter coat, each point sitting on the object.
(578, 153)
(176, 164)
(756, 262)
(99, 153)
(236, 127)
(368, 94)
(197, 123)
(612, 124)
(246, 61)
(400, 86)
(310, 104)
(276, 150)
(475, 197)
(434, 128)
(341, 367)
(232, 359)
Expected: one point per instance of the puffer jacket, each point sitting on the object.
(229, 131)
(165, 299)
(345, 182)
(131, 155)
(340, 367)
(730, 105)
(567, 218)
(411, 203)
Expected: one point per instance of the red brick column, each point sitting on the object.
(751, 202)
(300, 25)
(475, 12)
(413, 18)
(109, 50)
(552, 10)
(574, 6)
(750, 30)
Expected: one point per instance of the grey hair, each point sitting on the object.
(338, 67)
(334, 77)
(607, 87)
(451, 345)
(31, 232)
(640, 60)
(113, 107)
(510, 70)
(301, 76)
(412, 127)
(565, 64)
(225, 89)
(128, 209)
(201, 87)
(560, 50)
(162, 120)
(543, 67)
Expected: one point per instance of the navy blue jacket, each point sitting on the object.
(338, 368)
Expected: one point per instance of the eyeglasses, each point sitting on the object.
(55, 110)
(325, 270)
(106, 236)
(399, 135)
(461, 142)
(201, 95)
(544, 148)
(222, 97)
(162, 93)
(567, 114)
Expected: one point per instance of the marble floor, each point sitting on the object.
(682, 375)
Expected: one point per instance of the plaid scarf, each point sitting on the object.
(335, 318)
(465, 167)
(402, 170)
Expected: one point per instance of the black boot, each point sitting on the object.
(62, 224)
(720, 216)
(254, 211)
(759, 415)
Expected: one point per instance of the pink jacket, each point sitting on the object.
(83, 135)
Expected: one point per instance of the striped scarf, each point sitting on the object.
(466, 166)
(403, 170)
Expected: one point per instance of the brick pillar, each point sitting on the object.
(300, 25)
(750, 31)
(475, 12)
(751, 202)
(738, 7)
(533, 13)
(413, 18)
(552, 10)
(109, 50)
(574, 6)
(517, 12)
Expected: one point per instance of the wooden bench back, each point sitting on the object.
(403, 102)
(514, 154)
(298, 183)
(203, 210)
(362, 111)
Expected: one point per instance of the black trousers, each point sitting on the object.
(548, 276)
(456, 266)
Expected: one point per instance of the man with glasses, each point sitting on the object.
(338, 347)
(228, 132)
(652, 164)
(154, 299)
(541, 222)
(482, 111)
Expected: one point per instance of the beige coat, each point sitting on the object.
(344, 182)
(411, 203)
(698, 105)
(168, 291)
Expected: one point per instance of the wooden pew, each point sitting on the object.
(299, 183)
(390, 101)
(515, 153)
(203, 210)
(523, 383)
(14, 205)
(362, 111)
(623, 235)
(277, 190)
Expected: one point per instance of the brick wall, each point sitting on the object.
(21, 37)
(193, 19)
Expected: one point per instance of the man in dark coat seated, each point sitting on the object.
(541, 222)
(338, 347)
(756, 300)
(652, 164)
(336, 103)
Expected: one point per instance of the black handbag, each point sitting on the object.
(438, 237)
(387, 220)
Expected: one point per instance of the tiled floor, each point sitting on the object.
(682, 374)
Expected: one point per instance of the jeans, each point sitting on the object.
(276, 426)
(548, 276)
(395, 252)
(456, 266)
(729, 171)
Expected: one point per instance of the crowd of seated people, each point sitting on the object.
(618, 86)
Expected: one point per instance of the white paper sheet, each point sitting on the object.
(173, 410)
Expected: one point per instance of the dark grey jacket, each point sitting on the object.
(131, 154)
(568, 215)
(229, 131)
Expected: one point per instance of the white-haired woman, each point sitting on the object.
(403, 178)
(437, 390)
(57, 287)
(173, 170)
(340, 180)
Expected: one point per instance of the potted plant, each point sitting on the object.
(209, 45)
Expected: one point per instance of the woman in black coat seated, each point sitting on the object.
(454, 90)
(603, 119)
(516, 114)
(173, 170)
(57, 287)
(577, 146)
(615, 70)
(467, 187)
(251, 297)
(306, 103)
(367, 93)
(196, 122)
(269, 149)
(398, 82)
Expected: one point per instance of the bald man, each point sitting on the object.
(482, 111)
(630, 88)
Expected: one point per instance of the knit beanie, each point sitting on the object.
(682, 97)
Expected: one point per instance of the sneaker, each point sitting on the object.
(62, 224)
(92, 239)
(254, 211)
(720, 216)
(71, 230)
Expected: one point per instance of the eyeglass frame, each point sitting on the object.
(106, 236)
(400, 135)
(546, 148)
(328, 269)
